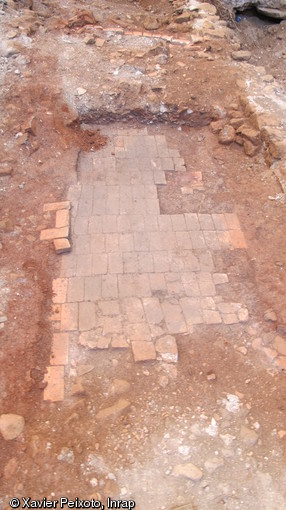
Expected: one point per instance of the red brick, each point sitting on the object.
(60, 349)
(238, 239)
(54, 390)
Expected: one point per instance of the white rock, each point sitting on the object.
(11, 426)
(80, 91)
(189, 471)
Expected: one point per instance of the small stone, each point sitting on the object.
(99, 42)
(241, 55)
(213, 463)
(211, 376)
(248, 436)
(66, 455)
(166, 348)
(183, 18)
(189, 471)
(89, 40)
(143, 351)
(270, 316)
(11, 426)
(119, 386)
(282, 434)
(280, 345)
(62, 246)
(151, 23)
(113, 412)
(242, 349)
(227, 135)
(3, 319)
(80, 91)
(5, 170)
(250, 149)
(217, 125)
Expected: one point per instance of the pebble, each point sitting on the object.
(213, 463)
(248, 436)
(282, 434)
(227, 135)
(119, 386)
(189, 471)
(241, 55)
(80, 91)
(211, 376)
(270, 316)
(66, 455)
(11, 426)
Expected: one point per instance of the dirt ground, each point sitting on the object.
(42, 138)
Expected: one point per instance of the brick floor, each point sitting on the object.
(136, 274)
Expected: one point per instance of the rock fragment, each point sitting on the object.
(227, 135)
(11, 426)
(189, 471)
(113, 412)
(248, 436)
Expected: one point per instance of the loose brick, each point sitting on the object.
(62, 218)
(60, 349)
(143, 351)
(220, 278)
(60, 290)
(54, 233)
(56, 206)
(62, 246)
(54, 391)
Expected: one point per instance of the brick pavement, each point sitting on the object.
(134, 276)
